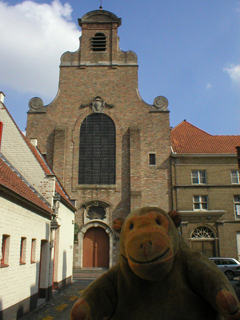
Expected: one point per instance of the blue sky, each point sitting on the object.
(188, 51)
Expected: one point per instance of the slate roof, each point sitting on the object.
(12, 180)
(188, 139)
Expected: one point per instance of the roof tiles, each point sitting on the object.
(11, 180)
(188, 139)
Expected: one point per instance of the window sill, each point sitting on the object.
(199, 184)
(96, 186)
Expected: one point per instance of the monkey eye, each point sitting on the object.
(131, 226)
(158, 222)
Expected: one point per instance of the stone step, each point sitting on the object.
(88, 273)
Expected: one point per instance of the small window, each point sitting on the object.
(33, 251)
(236, 201)
(152, 159)
(98, 42)
(23, 248)
(234, 176)
(5, 251)
(200, 202)
(198, 177)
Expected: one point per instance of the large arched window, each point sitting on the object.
(97, 152)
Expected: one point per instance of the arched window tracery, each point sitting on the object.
(97, 152)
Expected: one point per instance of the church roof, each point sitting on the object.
(188, 139)
(14, 182)
(100, 16)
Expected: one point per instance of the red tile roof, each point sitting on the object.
(12, 181)
(188, 139)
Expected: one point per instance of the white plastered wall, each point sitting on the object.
(63, 244)
(16, 150)
(19, 282)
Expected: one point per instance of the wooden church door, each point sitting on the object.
(96, 248)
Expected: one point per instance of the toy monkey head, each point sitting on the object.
(149, 241)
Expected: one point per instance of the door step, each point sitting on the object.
(88, 273)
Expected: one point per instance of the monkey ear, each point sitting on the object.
(117, 224)
(176, 217)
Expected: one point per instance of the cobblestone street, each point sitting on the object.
(59, 307)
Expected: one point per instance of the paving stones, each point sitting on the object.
(59, 307)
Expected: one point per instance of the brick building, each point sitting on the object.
(112, 152)
(110, 149)
(206, 189)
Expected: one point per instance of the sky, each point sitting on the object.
(188, 51)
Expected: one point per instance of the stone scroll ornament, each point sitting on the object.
(158, 277)
(161, 103)
(35, 104)
(97, 105)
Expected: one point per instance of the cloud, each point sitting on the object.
(33, 38)
(234, 73)
(209, 86)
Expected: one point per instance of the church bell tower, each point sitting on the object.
(99, 41)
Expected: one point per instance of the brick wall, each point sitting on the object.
(220, 192)
(140, 128)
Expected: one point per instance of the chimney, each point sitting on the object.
(2, 95)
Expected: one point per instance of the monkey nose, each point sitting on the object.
(146, 244)
(146, 248)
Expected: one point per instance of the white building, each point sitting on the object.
(36, 224)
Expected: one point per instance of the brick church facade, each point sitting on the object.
(109, 148)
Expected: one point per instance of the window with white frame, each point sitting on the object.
(234, 176)
(5, 251)
(236, 201)
(200, 202)
(199, 177)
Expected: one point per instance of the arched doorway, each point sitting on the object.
(96, 248)
(203, 241)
